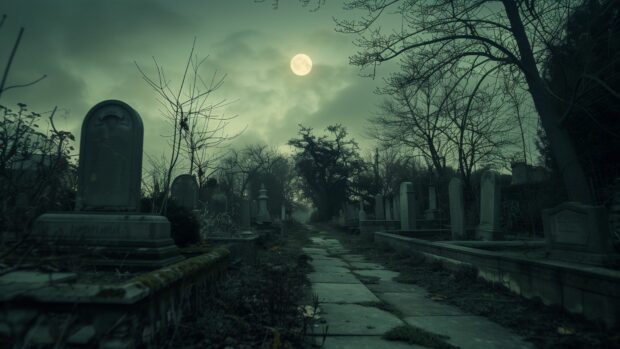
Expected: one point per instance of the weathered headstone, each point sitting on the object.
(431, 213)
(379, 209)
(457, 209)
(218, 203)
(109, 177)
(407, 207)
(490, 201)
(388, 208)
(361, 213)
(245, 214)
(110, 164)
(263, 216)
(579, 233)
(396, 207)
(184, 191)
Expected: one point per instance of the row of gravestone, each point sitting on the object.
(574, 232)
(403, 208)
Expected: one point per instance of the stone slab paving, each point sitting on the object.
(470, 332)
(354, 319)
(417, 304)
(343, 293)
(366, 265)
(332, 262)
(354, 323)
(314, 250)
(392, 286)
(381, 274)
(353, 257)
(331, 269)
(336, 278)
(361, 342)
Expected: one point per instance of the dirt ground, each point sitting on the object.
(545, 326)
(255, 306)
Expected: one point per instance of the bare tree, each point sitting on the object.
(7, 68)
(195, 121)
(507, 35)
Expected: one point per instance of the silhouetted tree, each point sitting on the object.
(196, 123)
(511, 36)
(583, 71)
(326, 165)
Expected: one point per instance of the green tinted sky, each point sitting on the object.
(88, 49)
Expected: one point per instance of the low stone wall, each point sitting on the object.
(590, 291)
(42, 309)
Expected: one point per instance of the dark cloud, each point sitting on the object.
(88, 49)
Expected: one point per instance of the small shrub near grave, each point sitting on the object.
(184, 226)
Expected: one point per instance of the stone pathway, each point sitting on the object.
(353, 310)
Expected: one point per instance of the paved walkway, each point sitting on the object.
(353, 309)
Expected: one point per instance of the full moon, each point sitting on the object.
(301, 64)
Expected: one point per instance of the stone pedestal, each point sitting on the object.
(379, 208)
(579, 233)
(108, 240)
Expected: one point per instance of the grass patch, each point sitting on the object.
(416, 335)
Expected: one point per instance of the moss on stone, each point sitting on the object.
(111, 292)
(418, 336)
(160, 278)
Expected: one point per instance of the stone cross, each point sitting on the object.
(457, 209)
(184, 191)
(407, 207)
(110, 164)
(489, 228)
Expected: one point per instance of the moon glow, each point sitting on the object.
(301, 64)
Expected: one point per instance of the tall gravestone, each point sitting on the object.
(361, 213)
(379, 209)
(246, 218)
(396, 206)
(432, 213)
(110, 164)
(184, 191)
(388, 208)
(490, 201)
(407, 207)
(263, 216)
(457, 209)
(106, 226)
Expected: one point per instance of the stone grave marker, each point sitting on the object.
(388, 208)
(263, 216)
(110, 164)
(579, 233)
(407, 207)
(245, 214)
(108, 199)
(432, 213)
(184, 191)
(361, 213)
(457, 209)
(396, 207)
(490, 201)
(379, 209)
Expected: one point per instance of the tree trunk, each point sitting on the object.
(563, 149)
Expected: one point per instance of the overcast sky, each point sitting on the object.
(87, 50)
